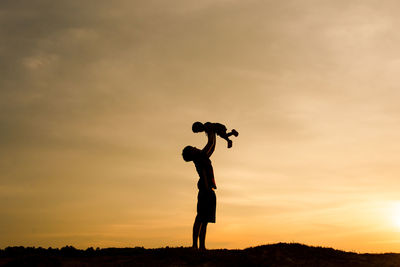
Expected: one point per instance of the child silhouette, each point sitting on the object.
(218, 128)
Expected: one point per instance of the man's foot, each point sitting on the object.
(229, 143)
(234, 132)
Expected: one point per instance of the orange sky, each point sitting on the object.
(97, 101)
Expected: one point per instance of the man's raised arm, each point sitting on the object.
(210, 146)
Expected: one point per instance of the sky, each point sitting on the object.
(97, 99)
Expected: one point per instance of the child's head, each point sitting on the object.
(188, 153)
(198, 127)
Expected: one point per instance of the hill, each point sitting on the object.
(275, 255)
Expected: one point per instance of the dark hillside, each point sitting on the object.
(278, 255)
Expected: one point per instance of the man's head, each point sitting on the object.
(198, 127)
(188, 153)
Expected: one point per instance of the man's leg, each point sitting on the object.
(203, 231)
(196, 231)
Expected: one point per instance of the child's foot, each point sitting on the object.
(229, 143)
(234, 132)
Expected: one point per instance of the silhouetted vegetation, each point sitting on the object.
(282, 255)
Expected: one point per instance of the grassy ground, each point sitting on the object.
(277, 255)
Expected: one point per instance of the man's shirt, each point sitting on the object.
(205, 171)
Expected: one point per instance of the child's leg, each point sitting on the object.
(225, 136)
(233, 132)
(229, 142)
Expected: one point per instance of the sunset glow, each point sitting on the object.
(97, 100)
(395, 215)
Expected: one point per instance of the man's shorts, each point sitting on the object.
(206, 205)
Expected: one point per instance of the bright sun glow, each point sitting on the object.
(396, 214)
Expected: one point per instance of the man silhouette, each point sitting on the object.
(206, 199)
